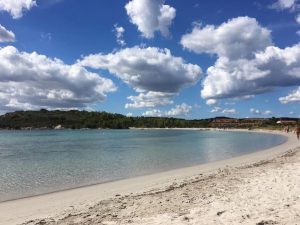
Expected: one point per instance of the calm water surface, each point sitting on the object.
(36, 162)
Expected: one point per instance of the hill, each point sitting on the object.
(82, 119)
(74, 119)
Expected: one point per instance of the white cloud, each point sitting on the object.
(298, 18)
(284, 4)
(216, 109)
(32, 81)
(150, 16)
(153, 113)
(268, 113)
(291, 98)
(211, 102)
(230, 111)
(6, 35)
(147, 69)
(16, 7)
(238, 38)
(247, 62)
(255, 111)
(271, 68)
(165, 19)
(292, 5)
(152, 70)
(129, 114)
(298, 21)
(258, 112)
(119, 32)
(150, 99)
(179, 110)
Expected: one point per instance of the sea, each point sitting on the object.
(43, 161)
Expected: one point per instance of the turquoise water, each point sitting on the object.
(36, 162)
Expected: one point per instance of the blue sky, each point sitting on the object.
(190, 59)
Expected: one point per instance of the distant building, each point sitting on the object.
(286, 122)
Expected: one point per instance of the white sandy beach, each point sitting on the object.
(258, 188)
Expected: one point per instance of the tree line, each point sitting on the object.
(74, 119)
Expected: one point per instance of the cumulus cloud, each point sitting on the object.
(255, 111)
(16, 7)
(148, 69)
(237, 38)
(153, 113)
(211, 102)
(179, 110)
(292, 5)
(258, 112)
(284, 4)
(6, 35)
(119, 32)
(294, 97)
(271, 68)
(150, 16)
(216, 109)
(247, 62)
(152, 71)
(230, 111)
(298, 18)
(32, 81)
(150, 99)
(268, 113)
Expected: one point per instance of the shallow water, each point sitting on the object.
(37, 162)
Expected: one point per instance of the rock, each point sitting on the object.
(220, 213)
(267, 222)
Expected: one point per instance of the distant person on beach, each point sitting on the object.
(286, 129)
(297, 131)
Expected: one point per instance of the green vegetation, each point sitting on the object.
(74, 119)
(82, 119)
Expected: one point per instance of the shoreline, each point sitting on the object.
(168, 170)
(62, 202)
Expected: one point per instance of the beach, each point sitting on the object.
(257, 188)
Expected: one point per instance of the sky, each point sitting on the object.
(188, 59)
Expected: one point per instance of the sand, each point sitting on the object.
(258, 188)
